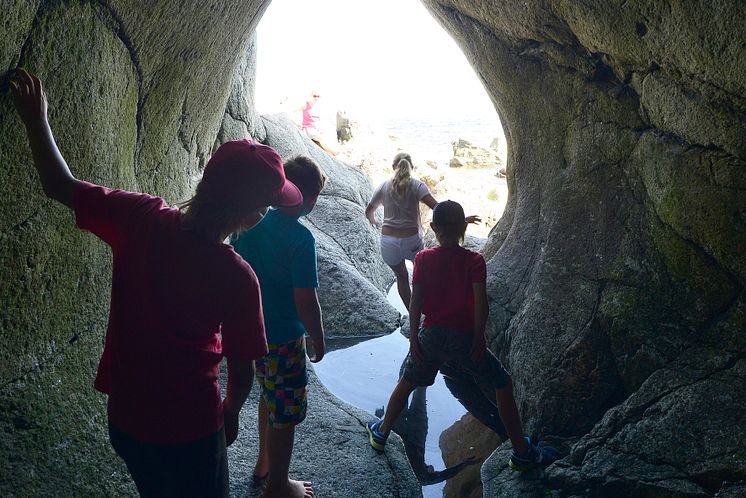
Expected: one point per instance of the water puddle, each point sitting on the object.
(444, 443)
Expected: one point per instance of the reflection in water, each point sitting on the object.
(365, 373)
(477, 401)
(411, 425)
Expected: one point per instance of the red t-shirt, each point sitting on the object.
(179, 303)
(446, 275)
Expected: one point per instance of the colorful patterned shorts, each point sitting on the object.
(283, 377)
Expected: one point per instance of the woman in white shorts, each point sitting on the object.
(401, 233)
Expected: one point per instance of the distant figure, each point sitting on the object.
(311, 123)
(401, 233)
(181, 300)
(449, 287)
(283, 253)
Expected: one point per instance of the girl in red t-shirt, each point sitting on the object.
(449, 286)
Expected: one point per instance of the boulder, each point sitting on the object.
(345, 127)
(333, 432)
(468, 155)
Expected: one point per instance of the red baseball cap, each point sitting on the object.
(248, 173)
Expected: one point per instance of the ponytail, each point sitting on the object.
(403, 176)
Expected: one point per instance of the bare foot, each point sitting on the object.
(292, 489)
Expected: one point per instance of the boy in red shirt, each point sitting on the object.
(181, 299)
(449, 287)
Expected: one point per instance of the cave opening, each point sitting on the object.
(390, 79)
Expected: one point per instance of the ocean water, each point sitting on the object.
(431, 138)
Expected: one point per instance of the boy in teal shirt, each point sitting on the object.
(282, 253)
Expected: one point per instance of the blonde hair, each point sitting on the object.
(403, 177)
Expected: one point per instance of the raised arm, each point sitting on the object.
(478, 343)
(429, 201)
(240, 379)
(31, 103)
(309, 311)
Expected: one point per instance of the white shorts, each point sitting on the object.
(395, 250)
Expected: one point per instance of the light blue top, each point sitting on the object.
(282, 253)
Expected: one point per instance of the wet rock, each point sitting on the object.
(467, 438)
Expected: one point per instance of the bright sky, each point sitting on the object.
(371, 58)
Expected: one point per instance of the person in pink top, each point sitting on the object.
(449, 288)
(181, 300)
(311, 123)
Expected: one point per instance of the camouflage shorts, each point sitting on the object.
(450, 348)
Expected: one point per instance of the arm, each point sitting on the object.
(474, 218)
(375, 201)
(240, 378)
(31, 103)
(309, 311)
(429, 201)
(481, 309)
(370, 213)
(415, 312)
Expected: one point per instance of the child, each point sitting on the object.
(311, 121)
(448, 286)
(283, 254)
(181, 299)
(401, 233)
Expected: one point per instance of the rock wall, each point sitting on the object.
(617, 271)
(140, 93)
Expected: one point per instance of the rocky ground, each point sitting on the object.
(331, 450)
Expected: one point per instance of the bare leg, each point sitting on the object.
(402, 283)
(396, 404)
(279, 450)
(511, 418)
(328, 148)
(262, 461)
